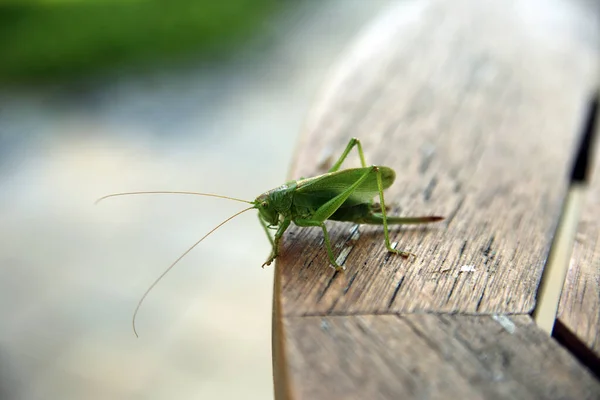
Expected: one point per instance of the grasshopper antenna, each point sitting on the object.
(137, 308)
(168, 192)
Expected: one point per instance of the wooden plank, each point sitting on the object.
(431, 357)
(579, 307)
(474, 127)
(476, 105)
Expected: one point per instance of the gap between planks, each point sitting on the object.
(555, 272)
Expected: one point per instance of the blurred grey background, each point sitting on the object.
(82, 126)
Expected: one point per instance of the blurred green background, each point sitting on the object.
(52, 39)
(98, 97)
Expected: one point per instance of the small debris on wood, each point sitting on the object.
(467, 268)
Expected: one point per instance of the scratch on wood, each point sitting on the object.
(480, 300)
(354, 233)
(332, 306)
(429, 189)
(343, 256)
(350, 283)
(335, 274)
(396, 290)
(324, 325)
(488, 248)
(410, 323)
(505, 322)
(462, 248)
(451, 289)
(360, 325)
(453, 213)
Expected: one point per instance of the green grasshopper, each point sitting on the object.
(338, 195)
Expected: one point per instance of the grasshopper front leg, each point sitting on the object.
(283, 225)
(307, 223)
(265, 226)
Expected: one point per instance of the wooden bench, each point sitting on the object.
(478, 107)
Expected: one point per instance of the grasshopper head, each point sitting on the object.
(266, 210)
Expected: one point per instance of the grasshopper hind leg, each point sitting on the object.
(353, 142)
(383, 207)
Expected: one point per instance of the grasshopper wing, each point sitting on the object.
(319, 189)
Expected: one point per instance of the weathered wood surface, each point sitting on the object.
(441, 357)
(477, 109)
(579, 307)
(477, 106)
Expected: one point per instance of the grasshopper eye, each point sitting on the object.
(263, 204)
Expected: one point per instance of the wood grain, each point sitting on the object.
(476, 106)
(431, 357)
(579, 307)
